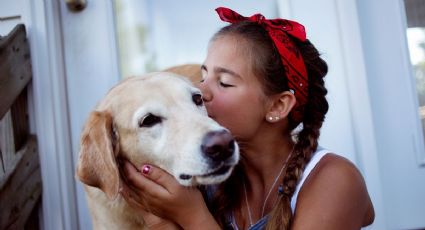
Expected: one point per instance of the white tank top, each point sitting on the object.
(317, 156)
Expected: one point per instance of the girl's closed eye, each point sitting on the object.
(227, 81)
(225, 85)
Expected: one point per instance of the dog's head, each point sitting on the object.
(156, 119)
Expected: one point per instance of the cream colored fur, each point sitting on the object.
(113, 130)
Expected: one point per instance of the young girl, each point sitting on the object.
(263, 80)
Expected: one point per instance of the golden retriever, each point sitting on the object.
(158, 119)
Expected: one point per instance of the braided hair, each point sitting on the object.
(266, 64)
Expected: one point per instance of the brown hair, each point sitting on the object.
(267, 65)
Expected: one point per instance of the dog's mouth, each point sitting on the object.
(217, 172)
(222, 169)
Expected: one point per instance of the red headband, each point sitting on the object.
(278, 30)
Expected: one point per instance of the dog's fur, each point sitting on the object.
(172, 140)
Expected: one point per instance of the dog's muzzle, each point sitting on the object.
(218, 147)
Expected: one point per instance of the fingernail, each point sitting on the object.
(146, 169)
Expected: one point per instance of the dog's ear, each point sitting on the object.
(97, 164)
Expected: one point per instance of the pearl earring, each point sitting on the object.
(273, 118)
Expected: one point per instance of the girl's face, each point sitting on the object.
(232, 93)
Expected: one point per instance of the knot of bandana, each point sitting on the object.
(281, 31)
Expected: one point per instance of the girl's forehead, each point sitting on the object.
(229, 47)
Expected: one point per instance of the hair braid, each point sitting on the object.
(307, 138)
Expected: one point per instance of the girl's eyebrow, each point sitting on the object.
(219, 70)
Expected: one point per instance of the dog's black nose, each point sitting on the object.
(218, 145)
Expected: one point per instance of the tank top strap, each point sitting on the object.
(317, 156)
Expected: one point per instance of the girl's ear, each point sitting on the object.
(281, 106)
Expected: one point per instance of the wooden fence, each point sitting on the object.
(20, 175)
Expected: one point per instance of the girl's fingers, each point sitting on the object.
(160, 177)
(143, 185)
(157, 191)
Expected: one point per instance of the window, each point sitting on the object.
(415, 13)
(157, 34)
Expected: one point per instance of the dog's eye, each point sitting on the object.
(149, 120)
(197, 99)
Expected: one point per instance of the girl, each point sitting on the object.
(263, 80)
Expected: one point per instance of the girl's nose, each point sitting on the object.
(206, 92)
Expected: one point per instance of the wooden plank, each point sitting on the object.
(33, 222)
(15, 67)
(9, 157)
(2, 169)
(22, 189)
(19, 111)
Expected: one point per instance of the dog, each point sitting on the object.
(157, 119)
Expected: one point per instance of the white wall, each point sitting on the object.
(90, 58)
(11, 15)
(395, 118)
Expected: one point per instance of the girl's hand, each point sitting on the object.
(154, 190)
(151, 220)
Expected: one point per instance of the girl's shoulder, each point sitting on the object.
(332, 163)
(336, 189)
(334, 174)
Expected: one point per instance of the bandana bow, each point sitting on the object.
(292, 60)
